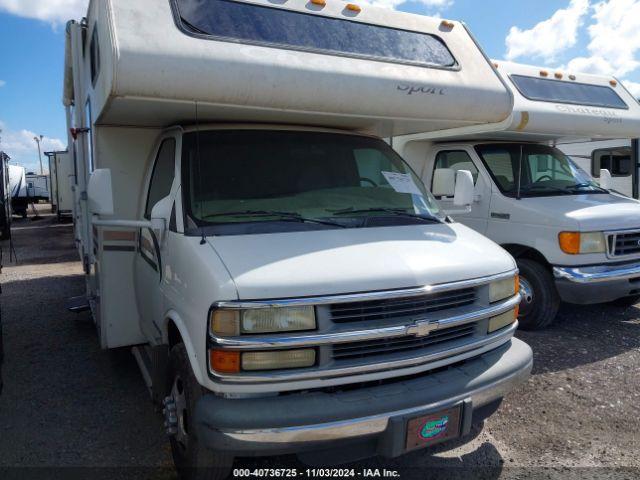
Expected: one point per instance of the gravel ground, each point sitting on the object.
(69, 407)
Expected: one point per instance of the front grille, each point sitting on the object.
(385, 346)
(401, 307)
(621, 244)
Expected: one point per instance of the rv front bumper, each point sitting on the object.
(597, 283)
(371, 420)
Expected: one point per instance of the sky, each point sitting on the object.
(591, 36)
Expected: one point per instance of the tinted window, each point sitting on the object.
(617, 161)
(162, 177)
(248, 23)
(94, 50)
(547, 90)
(456, 160)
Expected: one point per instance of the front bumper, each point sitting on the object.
(374, 416)
(597, 283)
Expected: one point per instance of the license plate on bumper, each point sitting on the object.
(433, 428)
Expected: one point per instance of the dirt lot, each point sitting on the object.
(68, 405)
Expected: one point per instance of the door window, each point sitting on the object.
(456, 160)
(162, 176)
(617, 161)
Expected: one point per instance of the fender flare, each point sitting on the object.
(173, 316)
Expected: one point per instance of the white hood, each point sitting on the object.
(588, 212)
(339, 261)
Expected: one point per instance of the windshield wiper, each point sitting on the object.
(288, 216)
(393, 211)
(585, 185)
(531, 188)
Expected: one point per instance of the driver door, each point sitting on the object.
(151, 248)
(462, 158)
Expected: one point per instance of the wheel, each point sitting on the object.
(193, 460)
(626, 301)
(540, 299)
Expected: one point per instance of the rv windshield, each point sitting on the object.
(544, 171)
(259, 181)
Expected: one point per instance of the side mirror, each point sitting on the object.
(100, 192)
(160, 214)
(605, 179)
(444, 182)
(464, 190)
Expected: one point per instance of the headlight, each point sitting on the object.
(502, 320)
(574, 243)
(262, 320)
(502, 289)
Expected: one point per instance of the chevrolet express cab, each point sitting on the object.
(287, 282)
(574, 240)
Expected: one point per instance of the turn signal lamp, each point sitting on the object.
(224, 361)
(575, 243)
(353, 7)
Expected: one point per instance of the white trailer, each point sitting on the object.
(573, 240)
(288, 282)
(37, 187)
(61, 181)
(18, 187)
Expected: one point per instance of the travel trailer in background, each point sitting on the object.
(573, 239)
(289, 284)
(18, 187)
(5, 197)
(619, 157)
(61, 181)
(37, 187)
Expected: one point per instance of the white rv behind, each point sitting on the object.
(288, 282)
(573, 240)
(18, 187)
(61, 181)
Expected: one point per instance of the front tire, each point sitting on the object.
(540, 299)
(193, 460)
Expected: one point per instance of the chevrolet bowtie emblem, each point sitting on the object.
(422, 329)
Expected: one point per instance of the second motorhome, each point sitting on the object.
(288, 283)
(574, 240)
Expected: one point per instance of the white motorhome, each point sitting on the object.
(61, 180)
(573, 240)
(289, 284)
(620, 157)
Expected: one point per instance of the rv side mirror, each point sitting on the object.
(160, 214)
(444, 182)
(605, 179)
(100, 192)
(463, 196)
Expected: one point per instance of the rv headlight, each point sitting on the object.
(575, 243)
(501, 289)
(225, 322)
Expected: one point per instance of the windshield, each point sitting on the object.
(544, 171)
(283, 180)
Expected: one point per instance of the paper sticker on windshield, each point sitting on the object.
(402, 183)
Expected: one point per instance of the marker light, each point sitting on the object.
(505, 288)
(278, 360)
(558, 75)
(447, 24)
(572, 77)
(613, 83)
(224, 361)
(353, 7)
(320, 3)
(502, 320)
(544, 73)
(575, 243)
